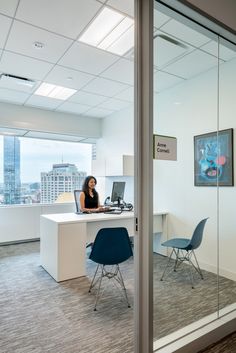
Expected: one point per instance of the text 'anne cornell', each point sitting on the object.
(161, 147)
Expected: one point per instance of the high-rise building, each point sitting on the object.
(63, 178)
(11, 167)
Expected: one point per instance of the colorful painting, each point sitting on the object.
(213, 159)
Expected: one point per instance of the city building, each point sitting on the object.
(63, 178)
(11, 166)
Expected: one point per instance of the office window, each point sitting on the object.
(38, 171)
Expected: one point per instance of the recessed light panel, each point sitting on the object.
(111, 31)
(103, 24)
(124, 43)
(53, 91)
(123, 26)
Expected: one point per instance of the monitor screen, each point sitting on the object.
(118, 190)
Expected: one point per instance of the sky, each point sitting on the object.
(39, 155)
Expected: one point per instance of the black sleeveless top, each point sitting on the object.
(91, 202)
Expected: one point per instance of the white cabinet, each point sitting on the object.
(128, 165)
(122, 165)
(99, 167)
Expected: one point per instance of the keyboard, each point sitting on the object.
(113, 211)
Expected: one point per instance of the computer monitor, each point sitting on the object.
(118, 190)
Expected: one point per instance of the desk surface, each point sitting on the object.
(61, 218)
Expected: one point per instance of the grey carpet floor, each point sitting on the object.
(176, 304)
(39, 315)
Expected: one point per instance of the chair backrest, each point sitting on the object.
(111, 246)
(196, 239)
(77, 200)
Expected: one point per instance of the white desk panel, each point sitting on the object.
(63, 239)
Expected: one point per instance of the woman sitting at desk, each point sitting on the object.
(89, 198)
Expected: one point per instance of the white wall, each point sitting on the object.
(117, 140)
(16, 116)
(174, 188)
(23, 222)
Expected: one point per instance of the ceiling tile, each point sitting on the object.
(73, 108)
(224, 52)
(13, 96)
(129, 55)
(5, 24)
(126, 95)
(126, 6)
(122, 70)
(63, 17)
(185, 33)
(163, 80)
(8, 7)
(66, 77)
(114, 104)
(104, 87)
(192, 64)
(87, 98)
(43, 102)
(23, 36)
(166, 51)
(98, 113)
(89, 59)
(159, 19)
(24, 66)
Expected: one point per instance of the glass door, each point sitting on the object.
(185, 176)
(227, 203)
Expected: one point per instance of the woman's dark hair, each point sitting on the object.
(85, 187)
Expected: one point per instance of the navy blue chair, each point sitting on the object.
(111, 247)
(183, 249)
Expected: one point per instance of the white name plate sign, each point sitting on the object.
(165, 147)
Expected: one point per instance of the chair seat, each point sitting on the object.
(183, 250)
(178, 243)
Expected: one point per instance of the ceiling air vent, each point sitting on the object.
(171, 40)
(16, 82)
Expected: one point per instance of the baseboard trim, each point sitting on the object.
(19, 241)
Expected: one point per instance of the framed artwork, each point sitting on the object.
(213, 159)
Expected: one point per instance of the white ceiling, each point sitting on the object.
(104, 81)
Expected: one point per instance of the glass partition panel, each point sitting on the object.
(227, 199)
(185, 175)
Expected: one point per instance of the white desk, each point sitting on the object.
(63, 239)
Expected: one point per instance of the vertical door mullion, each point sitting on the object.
(143, 176)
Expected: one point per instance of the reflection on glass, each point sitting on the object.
(185, 106)
(227, 203)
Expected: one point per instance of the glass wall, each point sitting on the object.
(41, 171)
(227, 222)
(193, 277)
